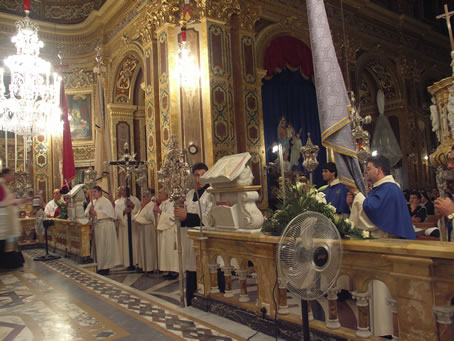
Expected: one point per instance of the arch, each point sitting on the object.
(383, 71)
(271, 32)
(130, 66)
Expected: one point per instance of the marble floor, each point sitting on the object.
(59, 300)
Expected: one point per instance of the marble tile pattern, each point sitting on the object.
(177, 324)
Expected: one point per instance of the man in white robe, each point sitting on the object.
(146, 234)
(190, 217)
(105, 237)
(167, 235)
(123, 206)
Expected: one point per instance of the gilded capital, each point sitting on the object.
(248, 16)
(218, 9)
(156, 14)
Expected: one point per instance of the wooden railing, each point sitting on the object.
(418, 274)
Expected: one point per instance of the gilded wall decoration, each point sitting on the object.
(79, 78)
(164, 100)
(250, 14)
(83, 153)
(216, 48)
(385, 80)
(125, 79)
(218, 9)
(119, 26)
(249, 67)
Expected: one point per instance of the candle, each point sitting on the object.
(25, 151)
(6, 147)
(15, 152)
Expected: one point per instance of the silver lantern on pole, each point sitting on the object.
(310, 154)
(175, 177)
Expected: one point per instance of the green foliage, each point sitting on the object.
(301, 198)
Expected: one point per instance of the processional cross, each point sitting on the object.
(360, 136)
(448, 16)
(129, 165)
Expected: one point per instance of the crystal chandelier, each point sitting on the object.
(31, 106)
(186, 66)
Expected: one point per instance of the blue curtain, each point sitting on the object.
(287, 94)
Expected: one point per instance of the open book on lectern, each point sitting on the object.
(226, 169)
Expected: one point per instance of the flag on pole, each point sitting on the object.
(332, 98)
(102, 131)
(69, 169)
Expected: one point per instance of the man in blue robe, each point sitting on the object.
(335, 192)
(384, 212)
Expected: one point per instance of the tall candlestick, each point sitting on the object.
(15, 152)
(6, 148)
(25, 152)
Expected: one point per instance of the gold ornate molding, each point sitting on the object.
(218, 9)
(79, 78)
(155, 14)
(249, 15)
(85, 152)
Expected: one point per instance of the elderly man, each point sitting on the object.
(445, 206)
(106, 244)
(52, 205)
(167, 235)
(146, 234)
(123, 206)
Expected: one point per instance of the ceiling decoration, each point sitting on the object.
(56, 11)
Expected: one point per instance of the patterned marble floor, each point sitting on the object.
(58, 300)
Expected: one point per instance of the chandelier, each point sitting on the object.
(31, 106)
(186, 66)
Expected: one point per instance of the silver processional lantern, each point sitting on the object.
(310, 154)
(360, 136)
(175, 177)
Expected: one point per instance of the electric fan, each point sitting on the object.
(309, 258)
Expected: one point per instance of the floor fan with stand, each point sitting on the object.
(309, 257)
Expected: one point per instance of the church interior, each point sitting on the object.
(220, 78)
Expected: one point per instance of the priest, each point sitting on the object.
(190, 217)
(105, 238)
(384, 213)
(167, 235)
(146, 234)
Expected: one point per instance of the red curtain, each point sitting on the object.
(288, 52)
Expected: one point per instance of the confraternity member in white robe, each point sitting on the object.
(106, 244)
(51, 206)
(167, 235)
(124, 205)
(146, 233)
(190, 217)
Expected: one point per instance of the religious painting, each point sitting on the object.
(80, 116)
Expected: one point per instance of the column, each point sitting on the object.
(283, 306)
(247, 92)
(333, 319)
(444, 314)
(242, 274)
(228, 280)
(152, 149)
(255, 277)
(362, 302)
(213, 268)
(393, 304)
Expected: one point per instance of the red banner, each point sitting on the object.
(69, 170)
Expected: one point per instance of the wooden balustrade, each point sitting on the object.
(418, 274)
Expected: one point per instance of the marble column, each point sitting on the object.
(255, 277)
(242, 274)
(228, 280)
(393, 304)
(444, 315)
(362, 302)
(333, 319)
(283, 305)
(213, 268)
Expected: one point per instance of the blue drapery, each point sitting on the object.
(287, 94)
